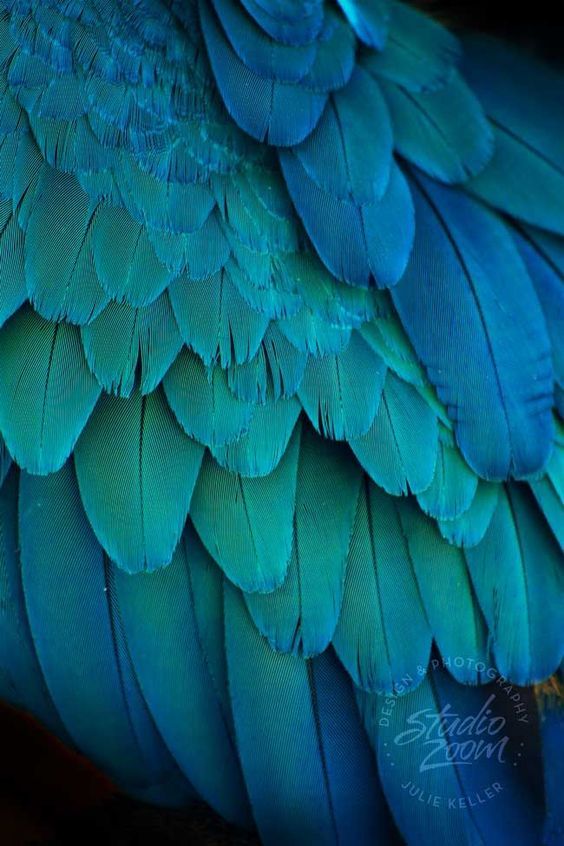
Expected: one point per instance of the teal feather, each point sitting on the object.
(178, 612)
(314, 759)
(69, 597)
(387, 338)
(47, 392)
(520, 595)
(21, 680)
(59, 266)
(310, 334)
(5, 461)
(528, 132)
(202, 402)
(420, 54)
(125, 261)
(136, 471)
(13, 291)
(340, 393)
(121, 337)
(443, 581)
(215, 321)
(275, 371)
(469, 528)
(399, 451)
(444, 132)
(300, 616)
(246, 524)
(259, 450)
(454, 485)
(383, 636)
(198, 254)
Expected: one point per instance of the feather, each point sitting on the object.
(259, 450)
(551, 719)
(178, 612)
(21, 680)
(399, 451)
(278, 113)
(246, 524)
(268, 58)
(469, 528)
(136, 471)
(287, 21)
(310, 334)
(275, 372)
(387, 337)
(12, 274)
(528, 132)
(443, 581)
(454, 485)
(369, 19)
(121, 337)
(383, 636)
(202, 402)
(215, 321)
(198, 254)
(443, 132)
(340, 393)
(375, 240)
(47, 392)
(125, 261)
(69, 597)
(521, 595)
(60, 274)
(476, 324)
(434, 793)
(420, 54)
(302, 750)
(349, 153)
(301, 615)
(548, 280)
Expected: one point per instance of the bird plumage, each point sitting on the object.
(281, 397)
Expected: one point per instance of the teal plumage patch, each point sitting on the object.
(281, 398)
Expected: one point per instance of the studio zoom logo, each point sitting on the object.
(425, 736)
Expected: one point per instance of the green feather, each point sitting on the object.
(246, 524)
(47, 392)
(301, 615)
(136, 471)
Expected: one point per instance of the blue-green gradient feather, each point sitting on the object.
(282, 410)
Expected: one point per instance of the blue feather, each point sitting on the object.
(374, 240)
(279, 113)
(349, 153)
(369, 19)
(474, 319)
(69, 597)
(417, 737)
(420, 54)
(443, 132)
(304, 756)
(178, 612)
(21, 680)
